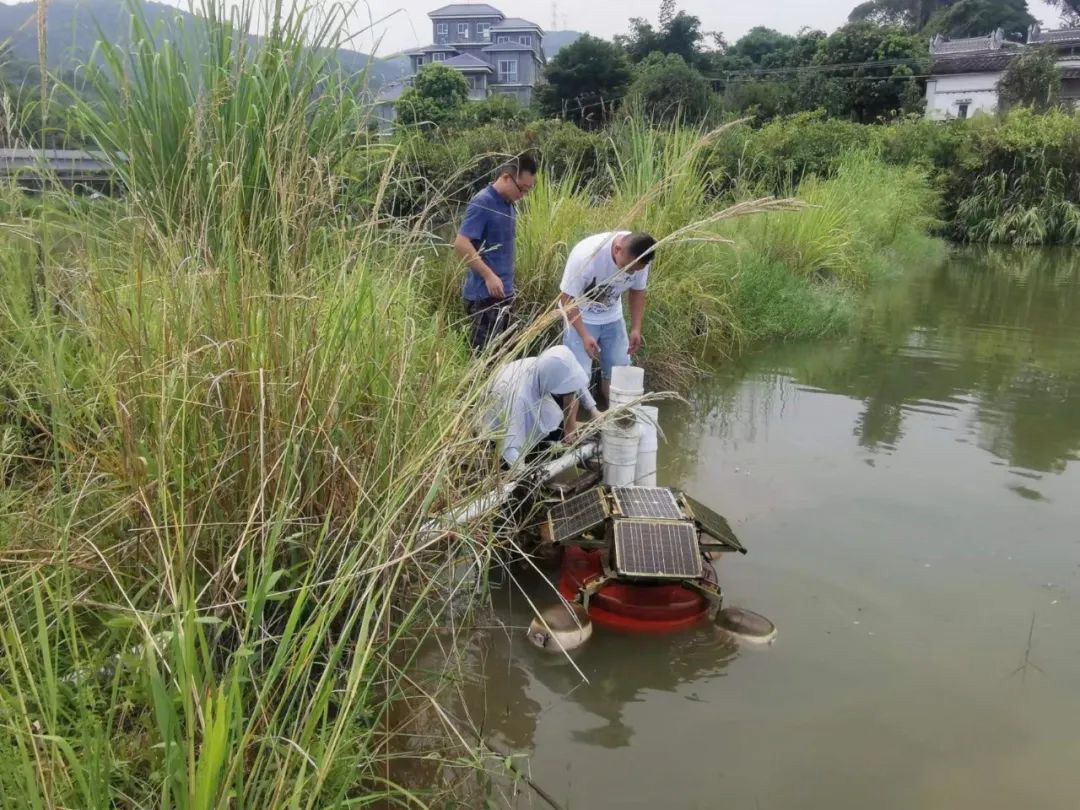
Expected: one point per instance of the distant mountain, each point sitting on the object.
(555, 40)
(398, 62)
(73, 27)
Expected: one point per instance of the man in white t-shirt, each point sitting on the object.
(598, 271)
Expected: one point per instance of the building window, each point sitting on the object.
(442, 29)
(483, 30)
(463, 31)
(508, 70)
(419, 61)
(962, 111)
(477, 82)
(502, 38)
(525, 39)
(438, 57)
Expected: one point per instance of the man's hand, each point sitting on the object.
(494, 286)
(592, 348)
(570, 426)
(635, 341)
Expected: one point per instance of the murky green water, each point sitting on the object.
(911, 501)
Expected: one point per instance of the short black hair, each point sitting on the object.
(640, 245)
(515, 166)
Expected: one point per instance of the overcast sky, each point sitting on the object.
(411, 27)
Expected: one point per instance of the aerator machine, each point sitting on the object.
(638, 558)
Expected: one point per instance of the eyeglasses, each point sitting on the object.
(517, 185)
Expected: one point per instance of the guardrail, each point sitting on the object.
(35, 169)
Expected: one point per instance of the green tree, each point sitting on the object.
(972, 18)
(436, 98)
(1070, 11)
(956, 18)
(1032, 80)
(865, 91)
(666, 88)
(767, 49)
(678, 33)
(762, 47)
(911, 13)
(585, 80)
(760, 73)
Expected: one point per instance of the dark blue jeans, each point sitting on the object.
(490, 318)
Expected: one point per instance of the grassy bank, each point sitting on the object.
(221, 483)
(226, 412)
(232, 398)
(740, 261)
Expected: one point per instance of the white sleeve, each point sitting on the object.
(573, 277)
(640, 278)
(587, 400)
(514, 438)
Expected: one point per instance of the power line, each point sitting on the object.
(812, 68)
(904, 77)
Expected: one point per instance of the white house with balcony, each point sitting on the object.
(964, 73)
(495, 54)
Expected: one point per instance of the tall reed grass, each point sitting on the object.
(227, 411)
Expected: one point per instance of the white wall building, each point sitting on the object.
(964, 73)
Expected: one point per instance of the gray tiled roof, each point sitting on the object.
(466, 62)
(980, 62)
(1061, 36)
(966, 45)
(515, 23)
(509, 46)
(466, 10)
(430, 49)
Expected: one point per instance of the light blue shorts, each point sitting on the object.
(614, 346)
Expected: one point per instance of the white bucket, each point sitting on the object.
(645, 468)
(618, 398)
(629, 379)
(627, 385)
(619, 449)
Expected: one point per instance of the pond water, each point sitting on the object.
(910, 498)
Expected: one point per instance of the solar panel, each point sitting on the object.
(577, 515)
(647, 502)
(656, 550)
(714, 525)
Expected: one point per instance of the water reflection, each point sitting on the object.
(991, 338)
(665, 664)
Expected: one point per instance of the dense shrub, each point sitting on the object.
(665, 88)
(1016, 181)
(1012, 179)
(499, 109)
(779, 155)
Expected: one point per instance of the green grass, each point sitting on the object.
(226, 413)
(231, 478)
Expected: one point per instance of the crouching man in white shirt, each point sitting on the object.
(598, 271)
